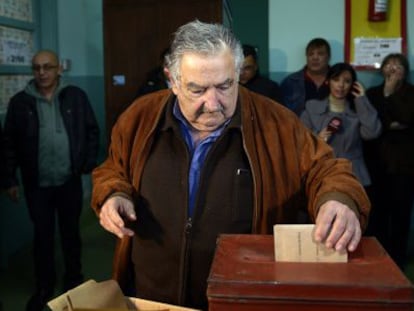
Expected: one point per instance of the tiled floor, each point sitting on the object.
(17, 281)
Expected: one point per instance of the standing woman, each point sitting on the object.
(390, 158)
(345, 118)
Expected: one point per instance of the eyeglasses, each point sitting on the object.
(46, 68)
(394, 66)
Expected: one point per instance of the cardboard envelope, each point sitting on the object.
(295, 243)
(105, 296)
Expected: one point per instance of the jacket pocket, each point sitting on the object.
(242, 211)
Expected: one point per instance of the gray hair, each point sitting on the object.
(202, 38)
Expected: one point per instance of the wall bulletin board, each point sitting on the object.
(367, 42)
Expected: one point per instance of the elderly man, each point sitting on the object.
(206, 158)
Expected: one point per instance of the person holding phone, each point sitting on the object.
(345, 118)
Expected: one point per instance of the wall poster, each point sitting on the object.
(373, 29)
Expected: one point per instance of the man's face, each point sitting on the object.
(317, 59)
(248, 70)
(207, 90)
(46, 70)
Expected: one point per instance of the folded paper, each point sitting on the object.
(295, 243)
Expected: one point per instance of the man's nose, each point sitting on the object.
(211, 99)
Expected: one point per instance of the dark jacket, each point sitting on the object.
(2, 164)
(294, 92)
(291, 169)
(393, 151)
(21, 133)
(265, 86)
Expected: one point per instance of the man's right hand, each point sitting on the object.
(13, 193)
(114, 213)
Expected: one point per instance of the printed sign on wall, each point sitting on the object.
(373, 29)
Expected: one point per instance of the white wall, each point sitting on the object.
(80, 35)
(292, 23)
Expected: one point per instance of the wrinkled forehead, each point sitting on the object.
(207, 70)
(207, 62)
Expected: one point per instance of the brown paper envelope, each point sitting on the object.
(105, 296)
(295, 243)
(91, 295)
(60, 303)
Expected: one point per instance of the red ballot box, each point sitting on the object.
(244, 276)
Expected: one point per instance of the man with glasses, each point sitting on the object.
(51, 134)
(253, 80)
(209, 157)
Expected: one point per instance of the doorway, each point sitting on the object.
(135, 34)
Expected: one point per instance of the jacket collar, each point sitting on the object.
(169, 121)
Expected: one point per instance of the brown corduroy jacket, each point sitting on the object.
(290, 165)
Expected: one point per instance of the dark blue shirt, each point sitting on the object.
(198, 154)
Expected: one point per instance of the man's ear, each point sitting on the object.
(173, 84)
(167, 74)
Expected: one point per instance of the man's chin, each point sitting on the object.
(210, 126)
(43, 83)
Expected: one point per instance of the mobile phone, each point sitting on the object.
(334, 125)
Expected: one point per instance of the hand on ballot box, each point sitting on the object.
(295, 243)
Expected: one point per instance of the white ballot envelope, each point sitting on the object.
(295, 243)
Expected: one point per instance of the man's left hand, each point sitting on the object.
(337, 226)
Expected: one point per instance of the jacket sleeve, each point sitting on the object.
(130, 142)
(330, 178)
(306, 119)
(293, 92)
(92, 138)
(286, 90)
(9, 145)
(370, 124)
(113, 175)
